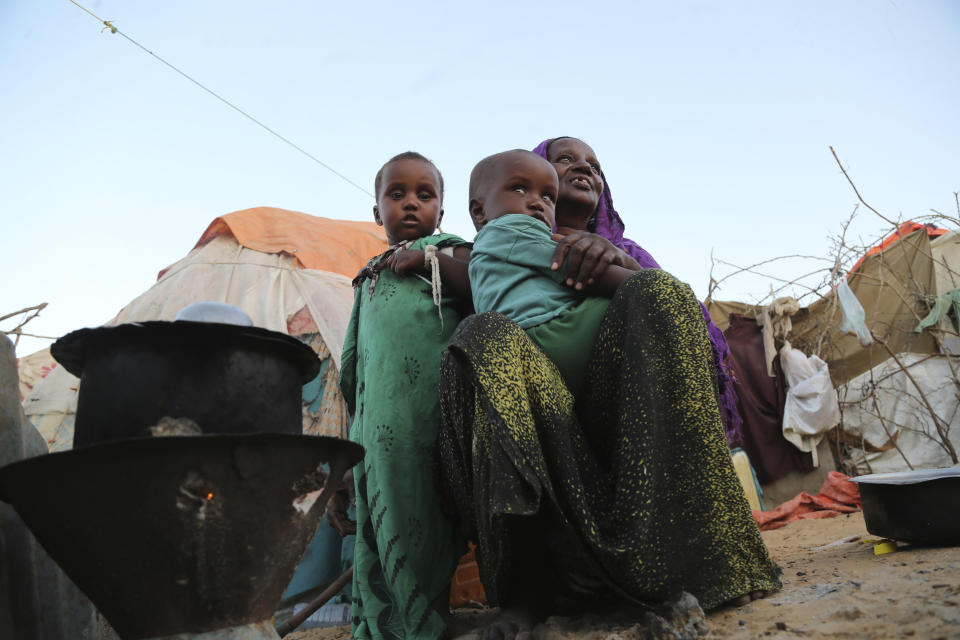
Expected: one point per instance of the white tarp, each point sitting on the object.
(884, 408)
(271, 288)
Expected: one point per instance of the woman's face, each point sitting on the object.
(579, 172)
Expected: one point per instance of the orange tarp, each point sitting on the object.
(340, 246)
(837, 495)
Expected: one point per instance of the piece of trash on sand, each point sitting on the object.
(884, 546)
(837, 543)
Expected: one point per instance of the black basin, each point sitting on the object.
(919, 507)
(225, 378)
(178, 534)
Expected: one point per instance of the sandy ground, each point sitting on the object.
(834, 586)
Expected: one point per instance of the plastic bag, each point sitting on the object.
(854, 317)
(811, 406)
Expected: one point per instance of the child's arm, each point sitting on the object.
(453, 270)
(607, 282)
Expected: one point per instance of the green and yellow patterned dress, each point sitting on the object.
(631, 485)
(406, 550)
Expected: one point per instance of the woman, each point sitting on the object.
(624, 494)
(585, 203)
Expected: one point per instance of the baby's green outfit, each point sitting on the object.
(510, 274)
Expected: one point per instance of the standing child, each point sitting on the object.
(406, 305)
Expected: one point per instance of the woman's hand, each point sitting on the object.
(588, 255)
(404, 260)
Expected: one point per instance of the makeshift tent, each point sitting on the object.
(886, 412)
(289, 271)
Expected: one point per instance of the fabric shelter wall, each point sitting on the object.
(890, 285)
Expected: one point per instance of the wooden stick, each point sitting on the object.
(316, 603)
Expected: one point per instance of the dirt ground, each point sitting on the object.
(834, 586)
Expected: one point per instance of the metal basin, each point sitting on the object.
(919, 507)
(178, 534)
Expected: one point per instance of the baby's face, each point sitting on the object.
(522, 183)
(408, 205)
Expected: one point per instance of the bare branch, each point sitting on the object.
(859, 197)
(37, 308)
(18, 332)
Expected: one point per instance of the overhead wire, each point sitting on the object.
(108, 24)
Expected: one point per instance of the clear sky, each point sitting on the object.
(712, 121)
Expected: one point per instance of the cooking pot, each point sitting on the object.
(919, 507)
(179, 535)
(223, 377)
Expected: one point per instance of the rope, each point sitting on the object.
(113, 29)
(432, 264)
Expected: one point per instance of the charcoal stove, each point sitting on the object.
(181, 536)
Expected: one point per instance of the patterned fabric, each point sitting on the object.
(406, 550)
(324, 409)
(632, 483)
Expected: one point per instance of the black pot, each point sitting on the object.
(918, 507)
(179, 535)
(225, 378)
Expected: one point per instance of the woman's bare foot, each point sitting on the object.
(514, 624)
(747, 598)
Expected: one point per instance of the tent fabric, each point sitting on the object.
(902, 231)
(271, 288)
(946, 257)
(323, 244)
(884, 420)
(761, 402)
(275, 290)
(837, 496)
(886, 284)
(51, 408)
(34, 368)
(882, 407)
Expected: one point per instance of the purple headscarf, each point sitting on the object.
(607, 223)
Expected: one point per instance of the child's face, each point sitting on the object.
(408, 205)
(578, 170)
(521, 183)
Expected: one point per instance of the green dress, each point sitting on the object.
(406, 550)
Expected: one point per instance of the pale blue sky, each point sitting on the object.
(712, 121)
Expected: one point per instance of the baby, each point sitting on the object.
(512, 201)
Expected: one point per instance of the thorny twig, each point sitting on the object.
(34, 311)
(859, 197)
(834, 299)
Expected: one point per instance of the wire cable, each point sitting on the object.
(113, 29)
